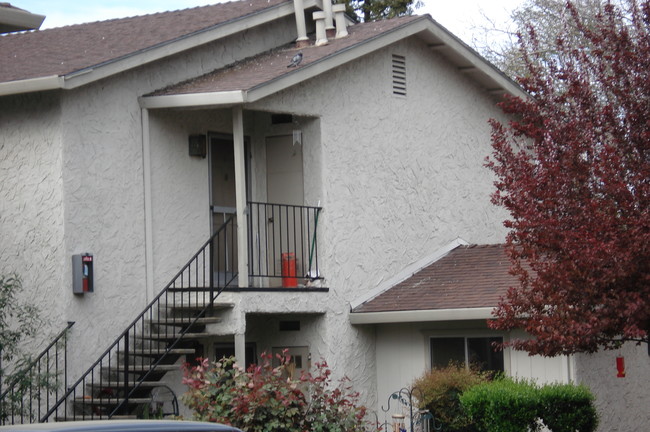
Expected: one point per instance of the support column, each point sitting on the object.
(240, 195)
(148, 213)
(240, 349)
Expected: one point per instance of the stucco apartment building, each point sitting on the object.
(329, 174)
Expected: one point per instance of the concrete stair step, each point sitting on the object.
(173, 336)
(157, 351)
(109, 401)
(184, 321)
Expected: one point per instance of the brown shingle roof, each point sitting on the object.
(61, 51)
(467, 277)
(258, 70)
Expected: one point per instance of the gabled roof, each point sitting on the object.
(258, 70)
(468, 280)
(262, 75)
(47, 59)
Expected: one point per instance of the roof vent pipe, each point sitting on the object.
(299, 10)
(329, 18)
(321, 36)
(341, 24)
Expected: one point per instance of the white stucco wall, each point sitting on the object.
(72, 181)
(398, 178)
(621, 402)
(31, 201)
(401, 178)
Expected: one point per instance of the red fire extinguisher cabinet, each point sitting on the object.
(82, 273)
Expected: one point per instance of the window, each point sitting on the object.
(475, 351)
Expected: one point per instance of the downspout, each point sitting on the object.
(148, 213)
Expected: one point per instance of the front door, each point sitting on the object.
(284, 171)
(284, 185)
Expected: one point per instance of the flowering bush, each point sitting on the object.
(263, 399)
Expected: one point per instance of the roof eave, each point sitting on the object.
(32, 85)
(151, 54)
(408, 272)
(94, 73)
(194, 100)
(394, 317)
(475, 63)
(423, 25)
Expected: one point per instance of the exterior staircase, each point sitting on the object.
(123, 382)
(124, 388)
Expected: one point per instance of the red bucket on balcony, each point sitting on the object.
(289, 279)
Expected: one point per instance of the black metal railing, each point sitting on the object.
(117, 384)
(283, 243)
(33, 389)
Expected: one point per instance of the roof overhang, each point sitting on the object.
(13, 19)
(97, 72)
(31, 85)
(438, 38)
(408, 272)
(394, 317)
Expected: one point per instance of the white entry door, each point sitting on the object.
(284, 186)
(284, 171)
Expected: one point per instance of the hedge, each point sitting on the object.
(519, 406)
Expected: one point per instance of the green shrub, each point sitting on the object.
(568, 408)
(438, 390)
(263, 399)
(502, 406)
(515, 406)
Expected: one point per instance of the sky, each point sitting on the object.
(461, 17)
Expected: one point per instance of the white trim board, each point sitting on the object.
(408, 272)
(460, 314)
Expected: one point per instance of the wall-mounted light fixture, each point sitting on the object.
(197, 145)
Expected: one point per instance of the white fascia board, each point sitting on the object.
(408, 272)
(451, 41)
(460, 314)
(31, 85)
(193, 100)
(356, 51)
(149, 55)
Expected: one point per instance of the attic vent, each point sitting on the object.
(399, 75)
